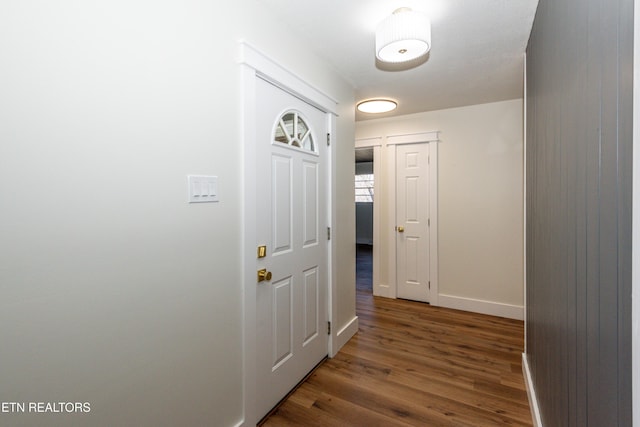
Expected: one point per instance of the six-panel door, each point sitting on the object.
(292, 221)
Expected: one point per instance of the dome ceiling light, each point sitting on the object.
(403, 36)
(377, 106)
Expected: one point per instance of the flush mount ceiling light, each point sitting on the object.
(403, 36)
(377, 105)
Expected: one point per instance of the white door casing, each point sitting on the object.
(292, 218)
(255, 65)
(412, 222)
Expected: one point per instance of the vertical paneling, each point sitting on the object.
(625, 178)
(579, 146)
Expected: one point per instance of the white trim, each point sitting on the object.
(383, 289)
(377, 211)
(413, 138)
(254, 65)
(379, 289)
(334, 345)
(481, 306)
(273, 72)
(392, 290)
(635, 226)
(531, 393)
(368, 142)
(524, 200)
(376, 144)
(248, 220)
(434, 297)
(345, 334)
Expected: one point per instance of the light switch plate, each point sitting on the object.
(202, 188)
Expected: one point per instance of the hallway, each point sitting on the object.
(413, 364)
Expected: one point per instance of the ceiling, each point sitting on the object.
(476, 55)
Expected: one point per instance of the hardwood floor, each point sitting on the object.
(411, 364)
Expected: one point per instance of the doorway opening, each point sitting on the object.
(364, 200)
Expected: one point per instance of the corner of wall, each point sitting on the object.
(531, 392)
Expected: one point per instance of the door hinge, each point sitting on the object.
(328, 233)
(328, 328)
(328, 139)
(428, 222)
(429, 284)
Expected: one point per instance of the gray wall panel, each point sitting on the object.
(579, 123)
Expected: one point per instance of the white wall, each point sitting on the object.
(480, 201)
(364, 223)
(343, 233)
(114, 291)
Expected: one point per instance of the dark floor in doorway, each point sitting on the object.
(364, 268)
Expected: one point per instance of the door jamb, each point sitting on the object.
(253, 65)
(376, 145)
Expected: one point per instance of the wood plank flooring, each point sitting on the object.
(411, 364)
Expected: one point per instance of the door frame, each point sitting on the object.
(376, 145)
(431, 139)
(384, 170)
(398, 221)
(256, 65)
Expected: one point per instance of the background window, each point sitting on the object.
(364, 188)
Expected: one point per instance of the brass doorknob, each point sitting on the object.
(264, 275)
(400, 229)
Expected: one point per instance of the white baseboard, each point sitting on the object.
(382, 290)
(484, 307)
(531, 393)
(346, 333)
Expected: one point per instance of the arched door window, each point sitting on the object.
(292, 130)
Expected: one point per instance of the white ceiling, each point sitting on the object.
(476, 55)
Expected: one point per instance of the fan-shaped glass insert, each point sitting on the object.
(292, 130)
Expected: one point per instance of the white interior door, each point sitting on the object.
(412, 217)
(292, 217)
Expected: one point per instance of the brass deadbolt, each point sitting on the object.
(262, 251)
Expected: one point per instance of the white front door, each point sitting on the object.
(412, 217)
(292, 217)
